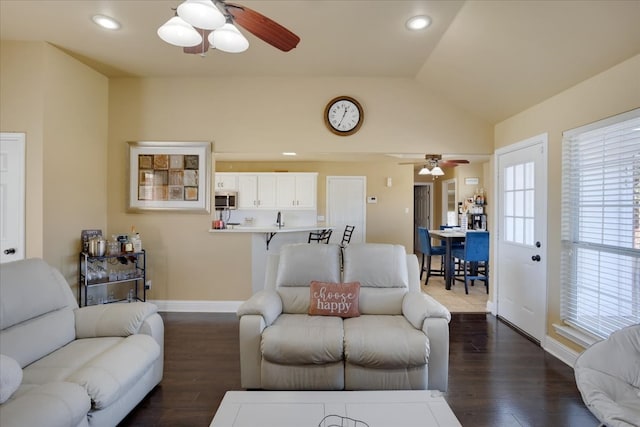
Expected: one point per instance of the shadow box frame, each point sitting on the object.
(152, 187)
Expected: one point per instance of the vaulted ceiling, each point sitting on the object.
(492, 58)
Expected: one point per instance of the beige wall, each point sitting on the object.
(61, 105)
(21, 110)
(612, 92)
(267, 115)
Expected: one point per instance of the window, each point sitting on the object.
(519, 194)
(601, 225)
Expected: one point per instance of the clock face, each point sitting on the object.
(343, 115)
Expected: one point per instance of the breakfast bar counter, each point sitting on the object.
(263, 242)
(270, 231)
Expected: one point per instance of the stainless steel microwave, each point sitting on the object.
(226, 200)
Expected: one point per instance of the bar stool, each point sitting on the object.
(320, 236)
(346, 236)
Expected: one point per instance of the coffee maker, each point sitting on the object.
(478, 221)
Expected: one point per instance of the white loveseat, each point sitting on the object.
(61, 365)
(399, 341)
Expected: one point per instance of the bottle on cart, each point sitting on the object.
(136, 240)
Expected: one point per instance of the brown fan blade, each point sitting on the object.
(201, 48)
(262, 27)
(452, 163)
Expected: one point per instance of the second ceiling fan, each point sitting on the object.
(432, 163)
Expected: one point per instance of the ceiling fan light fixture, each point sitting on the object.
(228, 39)
(416, 23)
(437, 171)
(201, 14)
(179, 33)
(424, 171)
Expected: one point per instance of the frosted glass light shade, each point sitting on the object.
(424, 171)
(178, 33)
(228, 39)
(201, 14)
(437, 171)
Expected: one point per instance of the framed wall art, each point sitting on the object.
(169, 176)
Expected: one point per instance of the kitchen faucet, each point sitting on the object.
(279, 220)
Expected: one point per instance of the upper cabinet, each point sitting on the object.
(226, 182)
(271, 190)
(297, 190)
(256, 191)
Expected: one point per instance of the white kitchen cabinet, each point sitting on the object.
(226, 181)
(297, 190)
(257, 191)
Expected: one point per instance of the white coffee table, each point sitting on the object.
(334, 408)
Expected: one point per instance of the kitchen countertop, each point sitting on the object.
(271, 229)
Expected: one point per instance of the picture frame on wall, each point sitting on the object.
(173, 176)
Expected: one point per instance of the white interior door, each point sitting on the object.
(346, 205)
(522, 230)
(12, 196)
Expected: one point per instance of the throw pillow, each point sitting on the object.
(334, 299)
(10, 377)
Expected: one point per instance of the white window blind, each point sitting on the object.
(600, 263)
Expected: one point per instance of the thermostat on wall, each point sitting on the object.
(372, 199)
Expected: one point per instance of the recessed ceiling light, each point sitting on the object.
(289, 153)
(418, 22)
(106, 22)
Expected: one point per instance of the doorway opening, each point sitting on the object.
(422, 210)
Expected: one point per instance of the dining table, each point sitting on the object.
(449, 236)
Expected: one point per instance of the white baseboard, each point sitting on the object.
(197, 306)
(491, 307)
(560, 351)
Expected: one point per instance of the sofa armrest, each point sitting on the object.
(250, 334)
(119, 320)
(417, 306)
(428, 315)
(266, 303)
(437, 330)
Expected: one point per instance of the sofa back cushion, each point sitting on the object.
(36, 310)
(382, 272)
(299, 265)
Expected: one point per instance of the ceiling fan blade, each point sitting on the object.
(262, 27)
(201, 48)
(453, 163)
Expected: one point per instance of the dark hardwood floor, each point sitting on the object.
(497, 377)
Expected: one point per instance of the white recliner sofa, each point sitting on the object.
(61, 365)
(400, 340)
(608, 377)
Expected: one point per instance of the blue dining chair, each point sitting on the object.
(474, 257)
(428, 250)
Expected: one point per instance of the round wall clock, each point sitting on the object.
(343, 115)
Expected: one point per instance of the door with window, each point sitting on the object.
(521, 243)
(12, 196)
